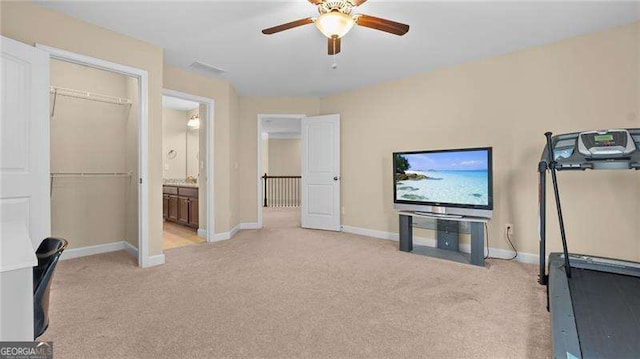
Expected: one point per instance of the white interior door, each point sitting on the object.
(24, 181)
(24, 139)
(321, 172)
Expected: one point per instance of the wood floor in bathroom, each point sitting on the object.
(175, 236)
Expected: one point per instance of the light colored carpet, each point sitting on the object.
(285, 292)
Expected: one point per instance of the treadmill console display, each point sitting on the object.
(604, 140)
(606, 144)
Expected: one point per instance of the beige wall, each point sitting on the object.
(507, 102)
(91, 136)
(234, 159)
(29, 23)
(184, 140)
(247, 144)
(284, 156)
(222, 93)
(174, 137)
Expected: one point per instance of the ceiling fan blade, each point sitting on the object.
(377, 23)
(334, 45)
(357, 2)
(287, 26)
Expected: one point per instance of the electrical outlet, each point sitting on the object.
(509, 228)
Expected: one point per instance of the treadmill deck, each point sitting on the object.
(606, 307)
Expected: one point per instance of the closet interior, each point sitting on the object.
(94, 157)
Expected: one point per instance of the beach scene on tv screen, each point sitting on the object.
(460, 177)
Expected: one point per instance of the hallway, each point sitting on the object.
(283, 217)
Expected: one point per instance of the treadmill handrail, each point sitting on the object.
(576, 162)
(556, 193)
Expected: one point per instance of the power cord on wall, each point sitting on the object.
(488, 255)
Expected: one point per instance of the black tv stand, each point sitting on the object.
(446, 238)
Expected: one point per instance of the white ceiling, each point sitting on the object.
(178, 103)
(295, 62)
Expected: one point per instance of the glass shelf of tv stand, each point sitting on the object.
(446, 217)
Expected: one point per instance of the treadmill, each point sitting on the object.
(594, 301)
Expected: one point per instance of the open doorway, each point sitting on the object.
(99, 156)
(316, 201)
(186, 136)
(279, 165)
(93, 156)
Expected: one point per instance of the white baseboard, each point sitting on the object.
(202, 233)
(423, 241)
(230, 234)
(234, 230)
(226, 235)
(371, 233)
(110, 247)
(431, 242)
(130, 249)
(252, 225)
(91, 250)
(156, 260)
(221, 236)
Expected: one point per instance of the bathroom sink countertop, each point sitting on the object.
(180, 184)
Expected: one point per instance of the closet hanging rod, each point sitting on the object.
(88, 95)
(91, 174)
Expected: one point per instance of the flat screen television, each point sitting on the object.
(454, 182)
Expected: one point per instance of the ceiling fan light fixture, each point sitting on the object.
(334, 23)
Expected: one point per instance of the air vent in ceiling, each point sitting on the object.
(206, 69)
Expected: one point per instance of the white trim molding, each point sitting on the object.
(227, 235)
(130, 249)
(209, 230)
(156, 260)
(237, 228)
(143, 135)
(110, 247)
(91, 250)
(431, 242)
(252, 225)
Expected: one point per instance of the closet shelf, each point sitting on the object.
(61, 91)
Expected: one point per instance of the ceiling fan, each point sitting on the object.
(336, 19)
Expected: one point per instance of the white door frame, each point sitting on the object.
(259, 142)
(144, 259)
(209, 179)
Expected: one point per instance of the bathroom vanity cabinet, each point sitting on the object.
(180, 204)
